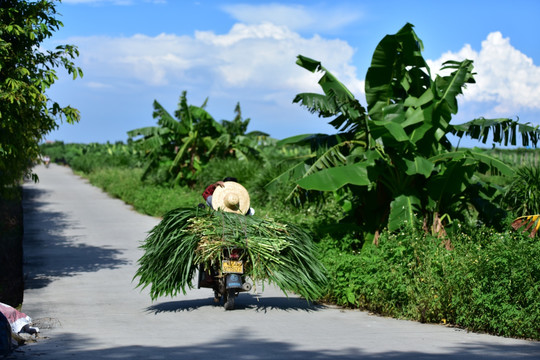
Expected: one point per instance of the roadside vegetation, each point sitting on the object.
(488, 281)
(406, 224)
(27, 114)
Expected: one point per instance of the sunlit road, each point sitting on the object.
(81, 252)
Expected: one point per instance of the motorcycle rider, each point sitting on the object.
(241, 202)
(209, 192)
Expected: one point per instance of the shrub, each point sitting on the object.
(523, 193)
(488, 282)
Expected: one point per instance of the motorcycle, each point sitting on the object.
(226, 278)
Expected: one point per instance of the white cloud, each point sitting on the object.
(294, 17)
(97, 85)
(505, 76)
(98, 2)
(252, 60)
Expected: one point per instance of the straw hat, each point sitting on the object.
(232, 197)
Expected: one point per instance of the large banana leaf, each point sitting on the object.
(419, 165)
(403, 210)
(316, 141)
(502, 130)
(449, 87)
(450, 182)
(333, 178)
(473, 155)
(152, 141)
(167, 121)
(149, 131)
(386, 79)
(337, 99)
(329, 159)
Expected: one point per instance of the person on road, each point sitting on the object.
(229, 186)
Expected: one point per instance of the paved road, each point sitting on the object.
(81, 249)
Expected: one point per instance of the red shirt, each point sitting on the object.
(209, 191)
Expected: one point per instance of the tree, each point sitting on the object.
(183, 144)
(178, 145)
(234, 141)
(393, 160)
(27, 71)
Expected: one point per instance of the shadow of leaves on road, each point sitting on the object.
(242, 345)
(49, 253)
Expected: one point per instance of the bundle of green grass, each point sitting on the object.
(278, 253)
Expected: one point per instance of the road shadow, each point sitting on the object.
(243, 301)
(48, 253)
(241, 345)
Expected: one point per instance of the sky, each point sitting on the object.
(133, 52)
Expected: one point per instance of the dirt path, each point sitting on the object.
(81, 249)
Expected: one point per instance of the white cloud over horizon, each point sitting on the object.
(505, 77)
(248, 58)
(261, 59)
(294, 17)
(254, 64)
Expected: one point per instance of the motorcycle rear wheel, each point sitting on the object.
(228, 298)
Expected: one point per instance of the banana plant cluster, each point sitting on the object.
(394, 158)
(182, 145)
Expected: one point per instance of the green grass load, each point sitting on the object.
(278, 253)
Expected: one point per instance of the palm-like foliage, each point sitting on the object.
(395, 158)
(180, 144)
(234, 141)
(184, 144)
(523, 194)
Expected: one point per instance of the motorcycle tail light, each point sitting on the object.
(235, 254)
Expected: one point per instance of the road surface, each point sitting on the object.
(81, 252)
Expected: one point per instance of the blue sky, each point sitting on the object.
(133, 52)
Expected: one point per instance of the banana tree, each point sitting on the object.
(395, 158)
(180, 144)
(235, 141)
(185, 143)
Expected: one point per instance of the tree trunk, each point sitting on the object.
(11, 249)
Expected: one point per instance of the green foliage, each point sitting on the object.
(394, 160)
(489, 282)
(151, 199)
(279, 253)
(26, 73)
(89, 157)
(522, 195)
(181, 146)
(218, 169)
